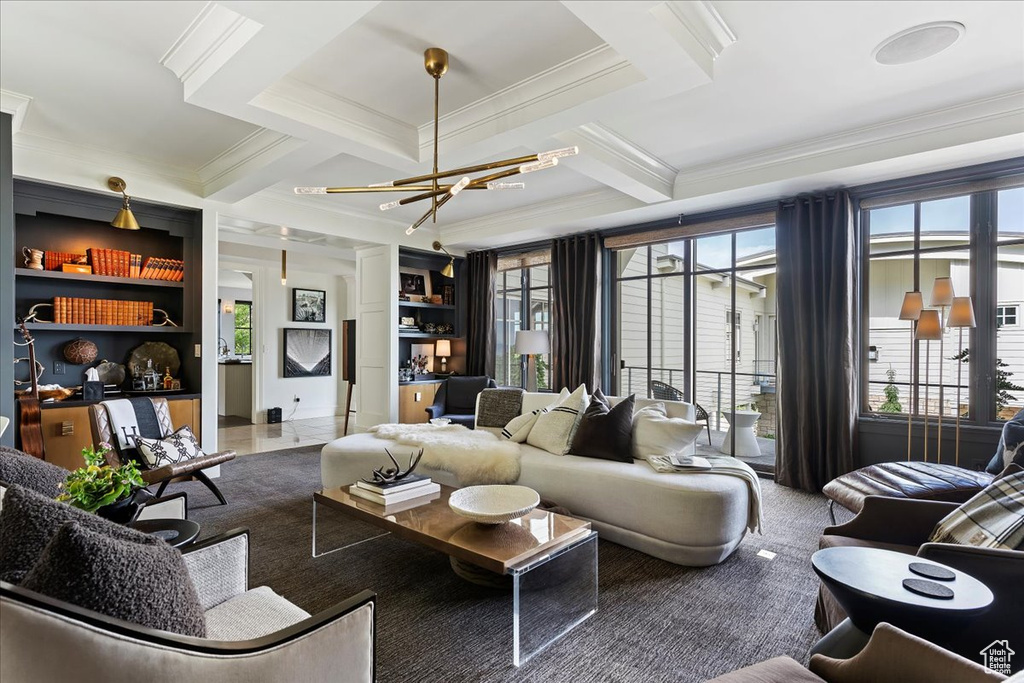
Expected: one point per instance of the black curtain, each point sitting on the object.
(575, 279)
(816, 313)
(483, 270)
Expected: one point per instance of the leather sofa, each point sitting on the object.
(903, 525)
(252, 635)
(456, 399)
(693, 520)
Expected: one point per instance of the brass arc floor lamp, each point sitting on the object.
(929, 328)
(913, 302)
(961, 315)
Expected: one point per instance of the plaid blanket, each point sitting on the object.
(994, 518)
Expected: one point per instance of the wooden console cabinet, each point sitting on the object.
(413, 400)
(66, 429)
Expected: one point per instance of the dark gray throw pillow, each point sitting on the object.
(29, 520)
(605, 433)
(1012, 440)
(21, 468)
(140, 582)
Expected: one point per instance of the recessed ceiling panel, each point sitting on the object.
(378, 63)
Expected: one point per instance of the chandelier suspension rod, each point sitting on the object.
(437, 98)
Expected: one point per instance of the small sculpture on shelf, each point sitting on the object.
(429, 328)
(388, 475)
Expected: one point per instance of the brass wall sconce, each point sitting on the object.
(124, 219)
(448, 270)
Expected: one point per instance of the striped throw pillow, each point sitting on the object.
(556, 425)
(519, 427)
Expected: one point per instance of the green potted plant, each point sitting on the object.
(117, 493)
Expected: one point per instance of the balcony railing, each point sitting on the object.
(763, 377)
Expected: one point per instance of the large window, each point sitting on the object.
(908, 246)
(523, 302)
(696, 317)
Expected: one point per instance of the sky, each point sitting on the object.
(952, 215)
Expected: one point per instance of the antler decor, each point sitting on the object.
(388, 475)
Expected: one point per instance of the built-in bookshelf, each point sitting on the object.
(429, 314)
(70, 223)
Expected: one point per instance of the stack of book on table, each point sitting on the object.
(408, 492)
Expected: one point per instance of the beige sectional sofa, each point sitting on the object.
(689, 519)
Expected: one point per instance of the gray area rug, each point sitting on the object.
(656, 621)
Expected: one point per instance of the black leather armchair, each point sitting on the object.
(904, 525)
(456, 399)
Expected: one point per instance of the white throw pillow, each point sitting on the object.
(556, 425)
(519, 427)
(654, 433)
(181, 445)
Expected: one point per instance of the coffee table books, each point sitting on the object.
(390, 493)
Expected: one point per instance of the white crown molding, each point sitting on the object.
(698, 28)
(574, 82)
(293, 99)
(255, 150)
(561, 211)
(210, 41)
(615, 161)
(16, 105)
(959, 124)
(60, 153)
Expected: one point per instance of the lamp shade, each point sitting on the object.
(913, 302)
(442, 348)
(929, 328)
(125, 219)
(531, 342)
(962, 313)
(942, 292)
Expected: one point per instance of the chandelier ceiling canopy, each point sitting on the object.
(428, 186)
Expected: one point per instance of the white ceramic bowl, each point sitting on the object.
(493, 504)
(440, 421)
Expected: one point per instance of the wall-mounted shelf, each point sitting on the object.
(425, 335)
(106, 279)
(420, 304)
(139, 329)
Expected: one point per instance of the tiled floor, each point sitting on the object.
(260, 438)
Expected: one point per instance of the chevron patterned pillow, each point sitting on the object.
(181, 445)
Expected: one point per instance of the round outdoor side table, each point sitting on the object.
(176, 532)
(746, 441)
(872, 586)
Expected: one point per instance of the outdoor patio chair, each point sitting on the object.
(668, 392)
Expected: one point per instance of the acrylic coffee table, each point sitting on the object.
(551, 558)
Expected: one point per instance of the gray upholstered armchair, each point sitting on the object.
(252, 635)
(456, 399)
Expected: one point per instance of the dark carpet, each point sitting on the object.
(656, 621)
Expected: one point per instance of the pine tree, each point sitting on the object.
(1003, 384)
(892, 394)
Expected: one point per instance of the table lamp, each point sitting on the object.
(913, 302)
(942, 296)
(531, 343)
(961, 315)
(443, 349)
(928, 328)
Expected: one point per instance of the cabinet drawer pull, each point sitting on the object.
(67, 428)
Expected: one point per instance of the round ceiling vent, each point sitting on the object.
(918, 42)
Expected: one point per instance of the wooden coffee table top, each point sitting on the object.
(496, 548)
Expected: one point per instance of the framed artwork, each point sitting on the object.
(414, 282)
(307, 353)
(309, 305)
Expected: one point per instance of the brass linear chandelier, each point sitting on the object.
(435, 60)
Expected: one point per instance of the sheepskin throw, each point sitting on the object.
(474, 457)
(497, 407)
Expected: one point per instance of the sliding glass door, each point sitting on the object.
(695, 318)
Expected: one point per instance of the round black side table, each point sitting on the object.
(177, 532)
(869, 584)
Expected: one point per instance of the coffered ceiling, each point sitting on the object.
(676, 106)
